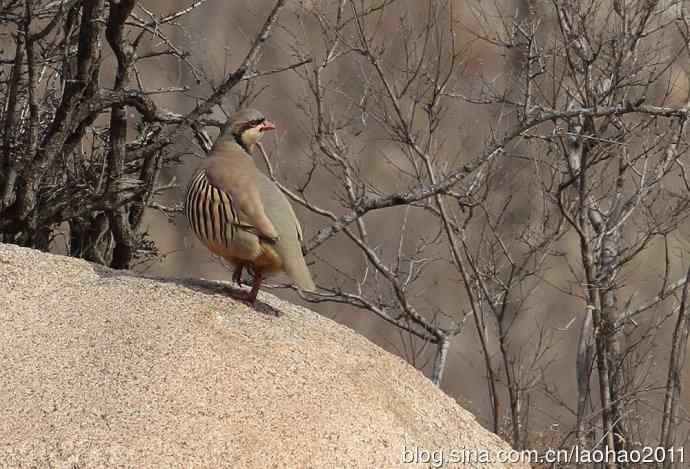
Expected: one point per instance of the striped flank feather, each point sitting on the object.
(209, 211)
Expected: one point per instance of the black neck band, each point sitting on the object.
(240, 142)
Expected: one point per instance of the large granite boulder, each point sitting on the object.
(103, 368)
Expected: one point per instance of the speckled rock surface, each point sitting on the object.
(102, 368)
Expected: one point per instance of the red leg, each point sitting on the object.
(258, 278)
(237, 275)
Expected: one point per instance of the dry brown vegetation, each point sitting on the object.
(496, 191)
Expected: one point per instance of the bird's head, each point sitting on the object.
(248, 126)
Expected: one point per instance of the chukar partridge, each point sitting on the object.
(240, 214)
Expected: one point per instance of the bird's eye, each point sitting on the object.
(253, 123)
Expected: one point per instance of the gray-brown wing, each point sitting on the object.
(240, 181)
(289, 246)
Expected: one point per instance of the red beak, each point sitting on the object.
(267, 126)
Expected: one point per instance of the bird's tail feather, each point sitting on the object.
(298, 271)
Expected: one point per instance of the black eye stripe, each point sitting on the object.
(253, 123)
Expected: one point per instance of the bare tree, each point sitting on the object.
(62, 160)
(583, 139)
